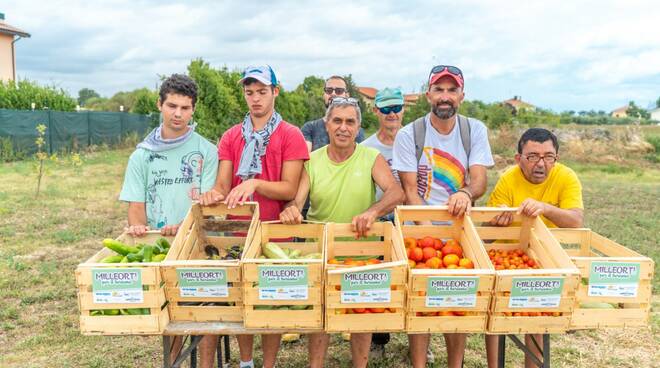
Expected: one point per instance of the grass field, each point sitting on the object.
(43, 239)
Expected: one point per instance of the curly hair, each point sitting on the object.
(179, 84)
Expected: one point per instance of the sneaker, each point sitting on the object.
(377, 351)
(430, 358)
(290, 337)
(346, 336)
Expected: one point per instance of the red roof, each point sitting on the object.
(12, 31)
(518, 103)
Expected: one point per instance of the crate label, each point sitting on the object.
(452, 291)
(366, 287)
(614, 279)
(283, 283)
(536, 292)
(117, 285)
(202, 282)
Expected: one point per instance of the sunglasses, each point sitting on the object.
(388, 109)
(336, 90)
(451, 69)
(344, 101)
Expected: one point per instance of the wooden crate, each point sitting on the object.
(446, 227)
(388, 245)
(310, 239)
(222, 228)
(153, 295)
(532, 236)
(586, 247)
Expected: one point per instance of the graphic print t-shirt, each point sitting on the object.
(168, 181)
(441, 171)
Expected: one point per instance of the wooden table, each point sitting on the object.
(194, 331)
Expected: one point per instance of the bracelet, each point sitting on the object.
(464, 190)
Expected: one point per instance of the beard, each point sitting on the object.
(444, 113)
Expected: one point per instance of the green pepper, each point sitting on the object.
(111, 312)
(148, 252)
(95, 313)
(158, 258)
(112, 259)
(119, 247)
(163, 243)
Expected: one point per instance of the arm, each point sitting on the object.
(282, 190)
(409, 183)
(222, 185)
(137, 219)
(392, 196)
(291, 213)
(570, 217)
(460, 202)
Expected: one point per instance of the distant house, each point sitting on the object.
(516, 104)
(621, 112)
(655, 114)
(8, 37)
(369, 95)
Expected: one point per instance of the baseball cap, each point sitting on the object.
(440, 71)
(262, 73)
(389, 97)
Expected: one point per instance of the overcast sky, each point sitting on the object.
(561, 55)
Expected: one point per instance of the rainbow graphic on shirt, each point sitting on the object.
(446, 172)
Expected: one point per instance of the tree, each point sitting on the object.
(85, 94)
(635, 111)
(657, 102)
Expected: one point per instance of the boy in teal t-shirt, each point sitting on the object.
(171, 167)
(168, 181)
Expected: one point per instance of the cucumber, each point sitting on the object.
(295, 253)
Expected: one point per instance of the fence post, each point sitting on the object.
(50, 135)
(89, 129)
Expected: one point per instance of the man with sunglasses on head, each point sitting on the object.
(340, 180)
(261, 160)
(441, 159)
(539, 186)
(314, 131)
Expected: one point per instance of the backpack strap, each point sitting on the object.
(464, 129)
(419, 133)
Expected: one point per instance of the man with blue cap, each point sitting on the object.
(261, 160)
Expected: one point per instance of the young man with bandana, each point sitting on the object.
(442, 159)
(261, 159)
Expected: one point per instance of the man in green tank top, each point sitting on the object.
(341, 180)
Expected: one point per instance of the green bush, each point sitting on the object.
(20, 96)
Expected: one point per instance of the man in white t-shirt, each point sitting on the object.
(442, 159)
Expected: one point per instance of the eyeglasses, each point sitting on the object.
(388, 109)
(534, 158)
(344, 101)
(336, 90)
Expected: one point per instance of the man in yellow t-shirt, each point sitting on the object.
(538, 186)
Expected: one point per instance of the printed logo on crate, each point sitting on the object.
(536, 292)
(117, 285)
(452, 291)
(203, 282)
(366, 287)
(614, 279)
(283, 283)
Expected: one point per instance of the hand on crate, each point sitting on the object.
(241, 193)
(503, 219)
(362, 223)
(211, 197)
(459, 204)
(291, 216)
(137, 230)
(531, 207)
(169, 230)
